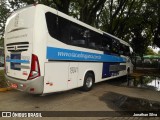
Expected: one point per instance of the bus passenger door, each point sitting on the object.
(73, 75)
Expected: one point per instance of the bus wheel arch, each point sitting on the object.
(89, 80)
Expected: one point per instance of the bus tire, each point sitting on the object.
(88, 82)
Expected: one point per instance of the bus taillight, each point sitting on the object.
(35, 69)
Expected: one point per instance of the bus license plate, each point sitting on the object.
(14, 64)
(14, 86)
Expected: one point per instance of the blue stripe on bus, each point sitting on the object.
(74, 55)
(17, 61)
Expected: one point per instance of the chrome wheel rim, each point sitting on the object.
(89, 82)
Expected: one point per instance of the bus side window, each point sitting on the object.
(106, 43)
(127, 51)
(52, 25)
(58, 27)
(64, 28)
(80, 43)
(92, 45)
(115, 46)
(121, 50)
(77, 35)
(95, 41)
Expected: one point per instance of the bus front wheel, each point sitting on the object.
(88, 82)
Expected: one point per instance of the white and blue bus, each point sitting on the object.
(48, 51)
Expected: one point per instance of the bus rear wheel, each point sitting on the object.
(88, 82)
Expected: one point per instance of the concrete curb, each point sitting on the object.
(5, 89)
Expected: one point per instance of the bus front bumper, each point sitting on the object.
(34, 86)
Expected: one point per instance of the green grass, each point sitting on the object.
(1, 72)
(2, 79)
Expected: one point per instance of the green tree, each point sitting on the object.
(154, 12)
(90, 9)
(131, 21)
(135, 21)
(4, 13)
(150, 51)
(61, 5)
(115, 15)
(84, 10)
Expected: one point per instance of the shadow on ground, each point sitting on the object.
(121, 102)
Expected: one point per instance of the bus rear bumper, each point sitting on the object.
(34, 86)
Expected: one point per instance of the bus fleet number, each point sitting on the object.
(73, 70)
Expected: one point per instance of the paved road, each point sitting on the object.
(75, 100)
